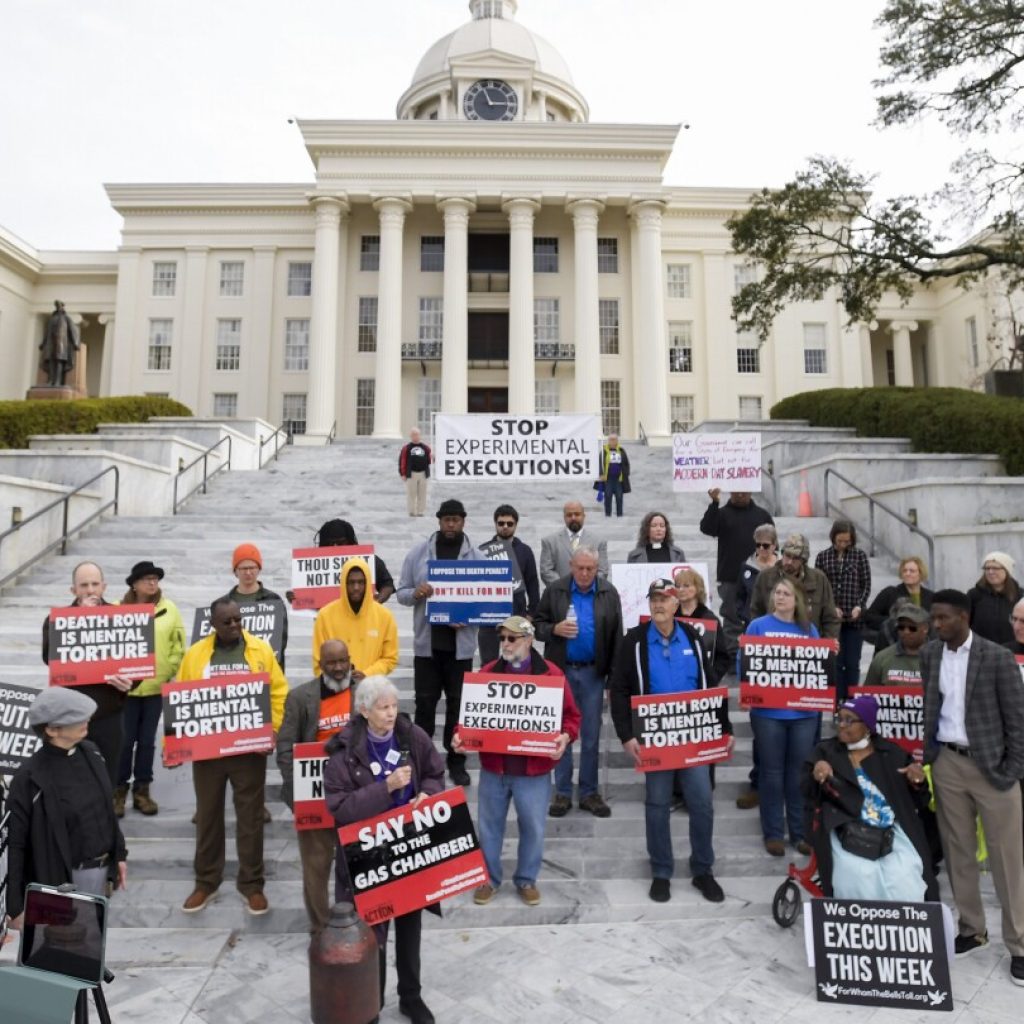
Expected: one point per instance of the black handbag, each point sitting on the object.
(866, 841)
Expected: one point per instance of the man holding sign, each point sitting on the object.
(662, 657)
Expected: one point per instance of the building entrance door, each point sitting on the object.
(488, 400)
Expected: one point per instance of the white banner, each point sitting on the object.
(485, 447)
(631, 580)
(729, 461)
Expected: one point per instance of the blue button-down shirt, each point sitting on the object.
(671, 661)
(581, 647)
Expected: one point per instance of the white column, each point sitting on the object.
(520, 306)
(585, 215)
(443, 105)
(107, 359)
(260, 332)
(191, 350)
(901, 351)
(933, 355)
(654, 408)
(867, 363)
(455, 350)
(323, 328)
(387, 414)
(542, 104)
(131, 334)
(850, 364)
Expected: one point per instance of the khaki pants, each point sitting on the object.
(317, 847)
(416, 494)
(962, 793)
(247, 774)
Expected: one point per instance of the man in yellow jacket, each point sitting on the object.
(229, 649)
(367, 628)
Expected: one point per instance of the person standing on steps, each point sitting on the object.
(247, 564)
(556, 549)
(614, 478)
(654, 541)
(414, 468)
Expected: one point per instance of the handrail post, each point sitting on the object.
(871, 524)
(117, 488)
(64, 538)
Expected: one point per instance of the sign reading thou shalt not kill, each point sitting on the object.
(316, 573)
(309, 805)
(89, 644)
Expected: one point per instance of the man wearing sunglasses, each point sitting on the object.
(900, 664)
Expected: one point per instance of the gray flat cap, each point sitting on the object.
(61, 705)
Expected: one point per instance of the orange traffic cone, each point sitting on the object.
(804, 509)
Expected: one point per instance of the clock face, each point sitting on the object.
(490, 100)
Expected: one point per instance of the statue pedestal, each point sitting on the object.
(58, 393)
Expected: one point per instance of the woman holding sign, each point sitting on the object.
(378, 761)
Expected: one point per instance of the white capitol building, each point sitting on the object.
(491, 249)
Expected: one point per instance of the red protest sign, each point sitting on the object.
(511, 714)
(900, 716)
(795, 673)
(309, 805)
(316, 573)
(223, 716)
(408, 858)
(680, 730)
(89, 644)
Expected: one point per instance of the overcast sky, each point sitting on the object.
(95, 91)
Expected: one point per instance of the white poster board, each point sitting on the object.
(631, 580)
(729, 461)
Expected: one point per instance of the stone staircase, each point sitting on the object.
(594, 871)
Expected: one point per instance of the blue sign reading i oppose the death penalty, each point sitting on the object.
(469, 593)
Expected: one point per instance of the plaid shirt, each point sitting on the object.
(850, 576)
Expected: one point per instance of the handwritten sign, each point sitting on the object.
(729, 461)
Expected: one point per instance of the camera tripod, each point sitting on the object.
(82, 1003)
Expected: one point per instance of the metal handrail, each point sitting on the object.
(66, 531)
(643, 433)
(273, 437)
(872, 502)
(207, 476)
(333, 434)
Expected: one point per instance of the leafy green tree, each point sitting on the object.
(959, 61)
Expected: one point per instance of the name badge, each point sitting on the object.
(375, 768)
(392, 757)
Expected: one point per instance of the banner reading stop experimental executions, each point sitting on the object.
(484, 447)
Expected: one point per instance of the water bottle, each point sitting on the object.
(570, 615)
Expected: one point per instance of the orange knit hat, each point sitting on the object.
(246, 552)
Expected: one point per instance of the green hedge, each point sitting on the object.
(935, 419)
(20, 420)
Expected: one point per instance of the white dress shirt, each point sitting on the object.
(953, 687)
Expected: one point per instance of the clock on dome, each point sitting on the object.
(490, 100)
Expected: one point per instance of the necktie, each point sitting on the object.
(574, 542)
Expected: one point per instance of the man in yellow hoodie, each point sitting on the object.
(229, 649)
(367, 628)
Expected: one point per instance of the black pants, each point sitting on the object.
(440, 675)
(407, 955)
(487, 643)
(108, 734)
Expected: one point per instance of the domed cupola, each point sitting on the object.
(492, 69)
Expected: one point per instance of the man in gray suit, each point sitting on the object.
(974, 740)
(557, 548)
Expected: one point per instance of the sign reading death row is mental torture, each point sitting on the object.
(90, 644)
(410, 857)
(875, 953)
(900, 716)
(680, 730)
(511, 714)
(264, 619)
(316, 573)
(728, 461)
(309, 805)
(17, 740)
(792, 672)
(504, 448)
(469, 592)
(219, 717)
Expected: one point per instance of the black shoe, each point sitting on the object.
(1017, 970)
(709, 888)
(416, 1010)
(560, 806)
(459, 776)
(965, 945)
(661, 890)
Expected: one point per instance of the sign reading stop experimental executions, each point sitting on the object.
(504, 448)
(511, 714)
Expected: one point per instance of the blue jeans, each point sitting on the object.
(141, 718)
(851, 641)
(696, 785)
(613, 487)
(783, 745)
(531, 794)
(588, 690)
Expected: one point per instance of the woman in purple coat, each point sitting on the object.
(378, 761)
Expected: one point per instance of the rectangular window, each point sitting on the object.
(293, 413)
(971, 333)
(607, 255)
(431, 253)
(680, 346)
(547, 396)
(367, 330)
(161, 334)
(678, 280)
(428, 403)
(815, 348)
(369, 252)
(229, 344)
(611, 406)
(750, 407)
(546, 328)
(741, 276)
(748, 353)
(232, 278)
(165, 278)
(300, 279)
(296, 344)
(681, 411)
(545, 255)
(431, 330)
(608, 326)
(364, 406)
(225, 403)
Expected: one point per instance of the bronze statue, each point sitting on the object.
(59, 345)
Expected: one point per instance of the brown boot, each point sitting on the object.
(142, 801)
(120, 795)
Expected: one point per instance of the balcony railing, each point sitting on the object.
(488, 281)
(557, 350)
(426, 350)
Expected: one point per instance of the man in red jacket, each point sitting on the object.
(526, 780)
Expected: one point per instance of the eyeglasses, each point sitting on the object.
(759, 544)
(993, 568)
(507, 639)
(844, 720)
(504, 522)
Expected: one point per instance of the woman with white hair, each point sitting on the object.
(378, 761)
